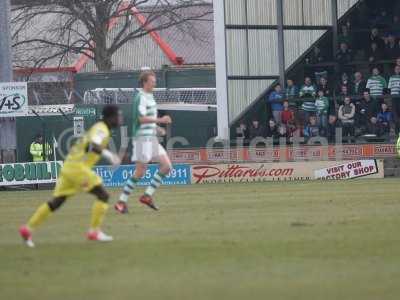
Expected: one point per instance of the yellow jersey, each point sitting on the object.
(99, 134)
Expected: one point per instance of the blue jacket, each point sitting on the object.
(276, 101)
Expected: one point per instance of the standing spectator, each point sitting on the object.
(376, 83)
(394, 86)
(311, 129)
(287, 114)
(308, 93)
(384, 120)
(346, 115)
(344, 54)
(276, 99)
(308, 90)
(367, 109)
(375, 53)
(37, 147)
(272, 130)
(359, 84)
(324, 87)
(322, 108)
(344, 81)
(256, 130)
(291, 93)
(391, 47)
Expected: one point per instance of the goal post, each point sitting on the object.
(184, 99)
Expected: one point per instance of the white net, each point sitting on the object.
(179, 98)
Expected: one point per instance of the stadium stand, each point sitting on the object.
(365, 68)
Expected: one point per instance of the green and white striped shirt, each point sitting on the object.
(394, 85)
(144, 105)
(376, 84)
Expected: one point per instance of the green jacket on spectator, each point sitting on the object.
(322, 105)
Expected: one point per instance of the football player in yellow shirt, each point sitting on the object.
(77, 175)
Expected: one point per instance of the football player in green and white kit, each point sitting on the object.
(146, 147)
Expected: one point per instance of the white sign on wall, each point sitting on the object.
(13, 99)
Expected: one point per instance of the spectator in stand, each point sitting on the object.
(315, 57)
(344, 55)
(384, 120)
(345, 36)
(242, 131)
(331, 129)
(375, 53)
(322, 108)
(312, 128)
(308, 93)
(324, 87)
(373, 128)
(344, 81)
(367, 109)
(344, 92)
(396, 25)
(346, 116)
(291, 93)
(359, 84)
(394, 86)
(287, 114)
(276, 99)
(256, 130)
(398, 60)
(374, 37)
(383, 21)
(272, 130)
(376, 83)
(392, 50)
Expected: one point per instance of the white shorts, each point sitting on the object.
(146, 150)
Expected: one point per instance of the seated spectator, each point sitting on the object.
(291, 93)
(396, 25)
(346, 116)
(276, 98)
(344, 54)
(359, 84)
(375, 37)
(272, 130)
(312, 128)
(315, 57)
(375, 53)
(394, 86)
(287, 114)
(373, 128)
(392, 50)
(242, 131)
(256, 130)
(345, 36)
(324, 87)
(384, 120)
(376, 83)
(331, 129)
(367, 108)
(322, 108)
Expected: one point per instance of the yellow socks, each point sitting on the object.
(41, 214)
(99, 210)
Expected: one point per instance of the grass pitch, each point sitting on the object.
(312, 240)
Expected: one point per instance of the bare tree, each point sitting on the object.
(58, 30)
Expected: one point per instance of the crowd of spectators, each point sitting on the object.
(363, 102)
